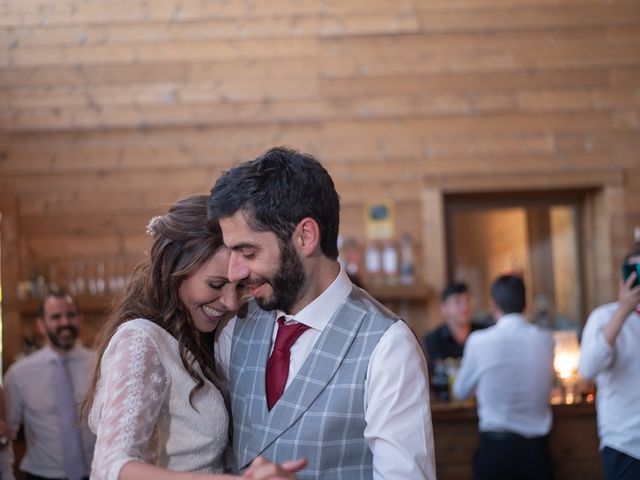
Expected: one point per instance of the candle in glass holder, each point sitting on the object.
(565, 361)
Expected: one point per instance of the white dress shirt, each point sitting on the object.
(397, 412)
(30, 397)
(510, 366)
(616, 370)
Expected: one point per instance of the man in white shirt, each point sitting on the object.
(510, 368)
(610, 354)
(354, 397)
(31, 390)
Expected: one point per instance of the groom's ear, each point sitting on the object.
(306, 236)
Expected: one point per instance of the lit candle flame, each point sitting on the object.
(566, 364)
(566, 354)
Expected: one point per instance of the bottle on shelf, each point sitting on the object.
(24, 289)
(113, 273)
(53, 284)
(40, 285)
(100, 277)
(91, 276)
(77, 283)
(373, 263)
(123, 271)
(390, 263)
(440, 381)
(407, 261)
(352, 257)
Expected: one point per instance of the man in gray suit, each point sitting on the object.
(317, 368)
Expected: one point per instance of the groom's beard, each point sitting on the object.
(286, 283)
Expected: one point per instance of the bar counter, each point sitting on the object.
(573, 440)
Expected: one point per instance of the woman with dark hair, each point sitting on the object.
(156, 401)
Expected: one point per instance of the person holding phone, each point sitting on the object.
(610, 354)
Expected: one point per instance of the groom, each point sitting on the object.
(317, 368)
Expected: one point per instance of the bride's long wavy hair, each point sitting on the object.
(184, 239)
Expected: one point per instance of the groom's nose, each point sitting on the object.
(237, 269)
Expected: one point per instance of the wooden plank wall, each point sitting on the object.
(110, 109)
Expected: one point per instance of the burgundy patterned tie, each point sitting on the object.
(278, 363)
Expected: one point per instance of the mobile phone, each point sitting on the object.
(628, 269)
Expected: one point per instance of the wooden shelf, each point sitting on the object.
(395, 293)
(98, 304)
(86, 304)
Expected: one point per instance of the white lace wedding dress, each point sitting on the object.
(142, 412)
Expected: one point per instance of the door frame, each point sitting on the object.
(603, 221)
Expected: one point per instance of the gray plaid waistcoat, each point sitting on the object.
(320, 416)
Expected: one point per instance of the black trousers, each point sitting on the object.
(30, 476)
(618, 465)
(509, 456)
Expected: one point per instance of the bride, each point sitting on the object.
(156, 401)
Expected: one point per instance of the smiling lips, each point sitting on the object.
(253, 290)
(212, 313)
(254, 287)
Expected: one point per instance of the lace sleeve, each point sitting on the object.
(135, 385)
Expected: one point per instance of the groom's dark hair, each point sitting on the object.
(277, 190)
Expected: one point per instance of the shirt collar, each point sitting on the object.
(511, 319)
(52, 355)
(318, 313)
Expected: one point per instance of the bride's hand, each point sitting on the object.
(263, 469)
